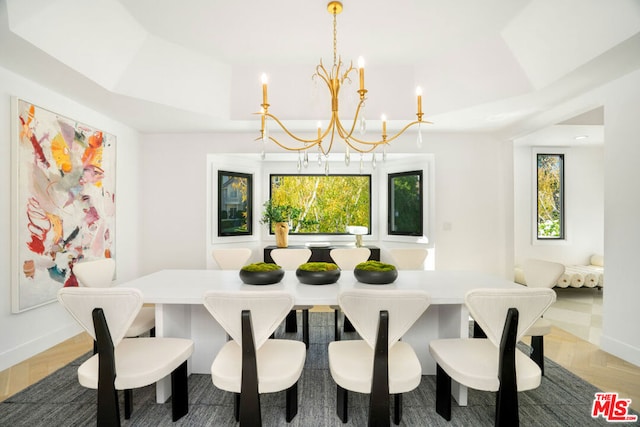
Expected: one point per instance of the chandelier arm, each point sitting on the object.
(288, 132)
(341, 130)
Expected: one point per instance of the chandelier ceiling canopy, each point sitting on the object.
(353, 134)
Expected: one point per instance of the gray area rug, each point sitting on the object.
(58, 400)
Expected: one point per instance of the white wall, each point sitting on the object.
(25, 334)
(584, 205)
(471, 178)
(621, 328)
(621, 101)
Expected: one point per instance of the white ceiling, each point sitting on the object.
(194, 65)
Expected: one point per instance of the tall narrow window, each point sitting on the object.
(550, 197)
(234, 203)
(405, 204)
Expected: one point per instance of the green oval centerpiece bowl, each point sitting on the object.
(375, 273)
(261, 273)
(318, 273)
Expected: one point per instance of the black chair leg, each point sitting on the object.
(128, 403)
(397, 408)
(305, 327)
(179, 392)
(348, 326)
(152, 332)
(507, 396)
(443, 393)
(336, 327)
(292, 402)
(236, 406)
(342, 398)
(379, 408)
(477, 331)
(537, 351)
(291, 322)
(250, 415)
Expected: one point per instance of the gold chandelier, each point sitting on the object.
(324, 140)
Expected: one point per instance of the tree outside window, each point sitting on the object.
(405, 204)
(550, 196)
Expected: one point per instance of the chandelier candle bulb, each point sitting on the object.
(419, 95)
(384, 125)
(264, 89)
(361, 71)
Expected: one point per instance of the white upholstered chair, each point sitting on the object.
(290, 259)
(231, 258)
(99, 274)
(124, 363)
(346, 259)
(379, 364)
(493, 363)
(409, 258)
(251, 363)
(540, 274)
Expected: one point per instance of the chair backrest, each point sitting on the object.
(120, 306)
(290, 259)
(231, 258)
(348, 258)
(363, 306)
(96, 273)
(409, 258)
(540, 273)
(489, 308)
(268, 309)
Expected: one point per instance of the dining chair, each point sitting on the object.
(231, 258)
(346, 259)
(99, 273)
(251, 363)
(540, 274)
(291, 259)
(409, 258)
(124, 363)
(379, 364)
(492, 363)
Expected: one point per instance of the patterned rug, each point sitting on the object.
(58, 400)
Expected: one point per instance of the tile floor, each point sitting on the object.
(579, 312)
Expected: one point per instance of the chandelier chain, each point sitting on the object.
(335, 37)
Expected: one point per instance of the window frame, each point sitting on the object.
(345, 233)
(562, 202)
(249, 202)
(390, 201)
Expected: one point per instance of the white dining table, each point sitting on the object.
(178, 299)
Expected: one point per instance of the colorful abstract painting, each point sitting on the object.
(64, 202)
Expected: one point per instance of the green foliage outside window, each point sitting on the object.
(550, 197)
(405, 203)
(326, 204)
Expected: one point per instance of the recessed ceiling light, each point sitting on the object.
(581, 137)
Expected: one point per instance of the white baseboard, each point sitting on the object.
(16, 355)
(620, 349)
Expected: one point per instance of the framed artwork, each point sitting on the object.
(63, 201)
(234, 203)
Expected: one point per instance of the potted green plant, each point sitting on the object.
(318, 273)
(282, 217)
(261, 273)
(375, 273)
